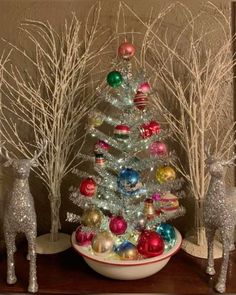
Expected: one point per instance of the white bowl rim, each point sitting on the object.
(84, 252)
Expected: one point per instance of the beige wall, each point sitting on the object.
(13, 12)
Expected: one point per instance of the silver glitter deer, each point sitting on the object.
(218, 214)
(20, 216)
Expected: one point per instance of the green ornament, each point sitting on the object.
(114, 79)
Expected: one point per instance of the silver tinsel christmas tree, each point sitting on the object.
(134, 189)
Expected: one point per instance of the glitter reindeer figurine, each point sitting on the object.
(218, 214)
(20, 216)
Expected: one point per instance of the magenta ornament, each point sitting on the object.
(144, 87)
(118, 225)
(83, 238)
(156, 197)
(158, 149)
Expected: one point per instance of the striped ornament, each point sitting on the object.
(122, 131)
(140, 100)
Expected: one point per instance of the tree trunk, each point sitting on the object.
(55, 202)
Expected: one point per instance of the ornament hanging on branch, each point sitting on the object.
(126, 50)
(114, 79)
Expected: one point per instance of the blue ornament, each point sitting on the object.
(167, 232)
(128, 182)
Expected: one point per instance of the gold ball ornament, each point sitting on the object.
(128, 251)
(92, 217)
(102, 243)
(95, 119)
(165, 174)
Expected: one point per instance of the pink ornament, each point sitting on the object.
(158, 148)
(156, 197)
(83, 238)
(118, 225)
(100, 144)
(150, 244)
(144, 87)
(126, 50)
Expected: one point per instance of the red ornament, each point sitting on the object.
(150, 244)
(158, 148)
(83, 238)
(100, 144)
(140, 100)
(88, 187)
(126, 50)
(118, 225)
(144, 87)
(122, 131)
(154, 127)
(99, 160)
(145, 131)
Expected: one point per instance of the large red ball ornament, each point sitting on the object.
(88, 187)
(154, 127)
(150, 244)
(118, 225)
(144, 87)
(83, 238)
(140, 100)
(149, 129)
(126, 50)
(158, 149)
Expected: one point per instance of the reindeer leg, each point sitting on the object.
(226, 238)
(210, 233)
(33, 285)
(10, 245)
(232, 246)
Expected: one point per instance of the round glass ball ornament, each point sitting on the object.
(92, 217)
(140, 100)
(165, 174)
(122, 132)
(102, 243)
(150, 244)
(101, 145)
(167, 232)
(128, 181)
(88, 187)
(158, 149)
(114, 79)
(144, 87)
(95, 119)
(126, 50)
(127, 251)
(117, 225)
(83, 238)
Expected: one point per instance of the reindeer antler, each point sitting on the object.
(6, 155)
(210, 159)
(229, 162)
(43, 145)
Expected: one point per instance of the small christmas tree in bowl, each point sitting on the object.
(123, 231)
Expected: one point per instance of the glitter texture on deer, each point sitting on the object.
(218, 214)
(20, 216)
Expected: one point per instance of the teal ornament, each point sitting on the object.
(168, 234)
(128, 182)
(114, 79)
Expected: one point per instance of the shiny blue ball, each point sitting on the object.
(128, 182)
(167, 232)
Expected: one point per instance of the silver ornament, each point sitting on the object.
(218, 214)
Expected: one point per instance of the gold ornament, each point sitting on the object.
(165, 174)
(169, 203)
(133, 237)
(92, 217)
(130, 253)
(95, 119)
(102, 243)
(149, 210)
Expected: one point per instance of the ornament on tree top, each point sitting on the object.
(114, 79)
(126, 50)
(140, 100)
(129, 182)
(88, 187)
(144, 87)
(165, 174)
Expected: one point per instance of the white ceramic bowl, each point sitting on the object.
(124, 269)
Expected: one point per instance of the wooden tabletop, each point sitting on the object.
(67, 273)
